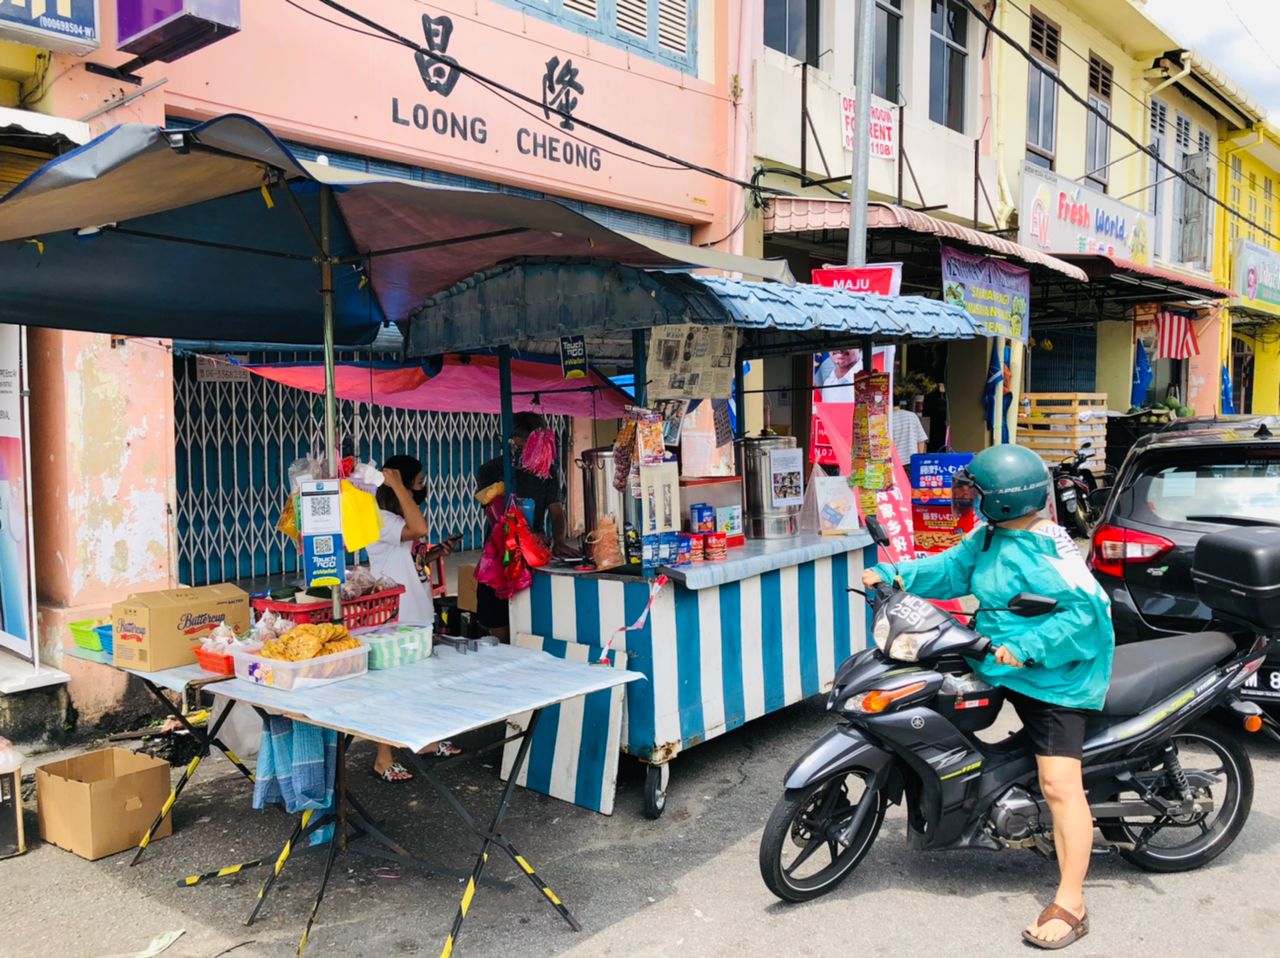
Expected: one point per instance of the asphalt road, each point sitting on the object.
(685, 885)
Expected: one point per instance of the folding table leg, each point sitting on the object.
(324, 883)
(182, 782)
(299, 830)
(492, 837)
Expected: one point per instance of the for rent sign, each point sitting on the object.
(884, 128)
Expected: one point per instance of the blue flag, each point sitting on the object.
(995, 383)
(1142, 376)
(1228, 404)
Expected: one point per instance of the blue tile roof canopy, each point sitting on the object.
(538, 299)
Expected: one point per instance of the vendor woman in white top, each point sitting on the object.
(400, 500)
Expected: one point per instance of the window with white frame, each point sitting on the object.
(1042, 91)
(792, 27)
(889, 50)
(1097, 132)
(1155, 202)
(948, 63)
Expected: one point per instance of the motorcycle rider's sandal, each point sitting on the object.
(1078, 928)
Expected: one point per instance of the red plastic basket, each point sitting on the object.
(375, 609)
(216, 663)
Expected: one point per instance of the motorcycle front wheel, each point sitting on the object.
(805, 851)
(1164, 843)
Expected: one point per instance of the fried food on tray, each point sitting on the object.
(309, 641)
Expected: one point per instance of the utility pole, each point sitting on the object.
(863, 81)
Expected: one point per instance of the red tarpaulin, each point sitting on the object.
(463, 384)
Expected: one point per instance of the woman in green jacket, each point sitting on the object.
(1055, 669)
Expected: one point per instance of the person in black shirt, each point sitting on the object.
(545, 493)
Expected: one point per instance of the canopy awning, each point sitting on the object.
(214, 232)
(459, 384)
(788, 214)
(541, 300)
(1162, 283)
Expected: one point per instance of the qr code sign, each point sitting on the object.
(323, 545)
(322, 506)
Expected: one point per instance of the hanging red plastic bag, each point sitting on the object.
(512, 550)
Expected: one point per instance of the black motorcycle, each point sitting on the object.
(1167, 794)
(1073, 486)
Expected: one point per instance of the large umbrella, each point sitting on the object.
(220, 233)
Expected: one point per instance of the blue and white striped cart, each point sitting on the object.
(724, 643)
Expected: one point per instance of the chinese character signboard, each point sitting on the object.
(1255, 276)
(560, 91)
(995, 293)
(1058, 215)
(68, 26)
(884, 128)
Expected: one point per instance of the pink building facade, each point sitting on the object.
(102, 409)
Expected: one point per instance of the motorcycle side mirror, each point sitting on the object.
(1087, 444)
(878, 534)
(1029, 605)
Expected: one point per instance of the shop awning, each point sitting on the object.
(459, 384)
(1161, 282)
(540, 300)
(213, 232)
(787, 214)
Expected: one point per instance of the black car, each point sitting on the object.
(1173, 488)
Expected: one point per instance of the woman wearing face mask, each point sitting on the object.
(400, 499)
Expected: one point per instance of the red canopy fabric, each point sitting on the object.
(464, 384)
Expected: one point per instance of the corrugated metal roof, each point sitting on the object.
(804, 307)
(787, 214)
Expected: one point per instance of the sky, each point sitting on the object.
(1239, 36)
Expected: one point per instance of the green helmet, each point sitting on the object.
(1008, 482)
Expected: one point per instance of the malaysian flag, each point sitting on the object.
(1175, 339)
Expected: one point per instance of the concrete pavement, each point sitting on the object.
(685, 885)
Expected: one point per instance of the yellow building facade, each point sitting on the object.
(1248, 262)
(1148, 238)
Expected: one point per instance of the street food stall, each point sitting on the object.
(715, 589)
(177, 233)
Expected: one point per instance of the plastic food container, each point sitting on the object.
(307, 674)
(216, 662)
(106, 637)
(393, 646)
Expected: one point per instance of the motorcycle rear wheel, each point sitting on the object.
(1206, 748)
(810, 820)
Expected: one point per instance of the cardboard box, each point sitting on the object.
(467, 588)
(101, 803)
(161, 630)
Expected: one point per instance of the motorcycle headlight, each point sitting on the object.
(880, 631)
(906, 645)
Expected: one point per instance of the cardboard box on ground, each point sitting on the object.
(467, 588)
(101, 803)
(161, 630)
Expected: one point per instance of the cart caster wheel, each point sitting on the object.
(655, 790)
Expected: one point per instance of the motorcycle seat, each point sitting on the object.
(1143, 673)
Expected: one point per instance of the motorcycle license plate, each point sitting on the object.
(1263, 684)
(1068, 495)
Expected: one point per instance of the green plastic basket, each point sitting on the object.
(84, 634)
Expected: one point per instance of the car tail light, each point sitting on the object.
(1114, 548)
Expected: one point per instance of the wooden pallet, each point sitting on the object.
(1058, 424)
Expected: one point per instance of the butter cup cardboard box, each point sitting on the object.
(161, 630)
(101, 803)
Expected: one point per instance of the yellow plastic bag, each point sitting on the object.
(288, 521)
(360, 523)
